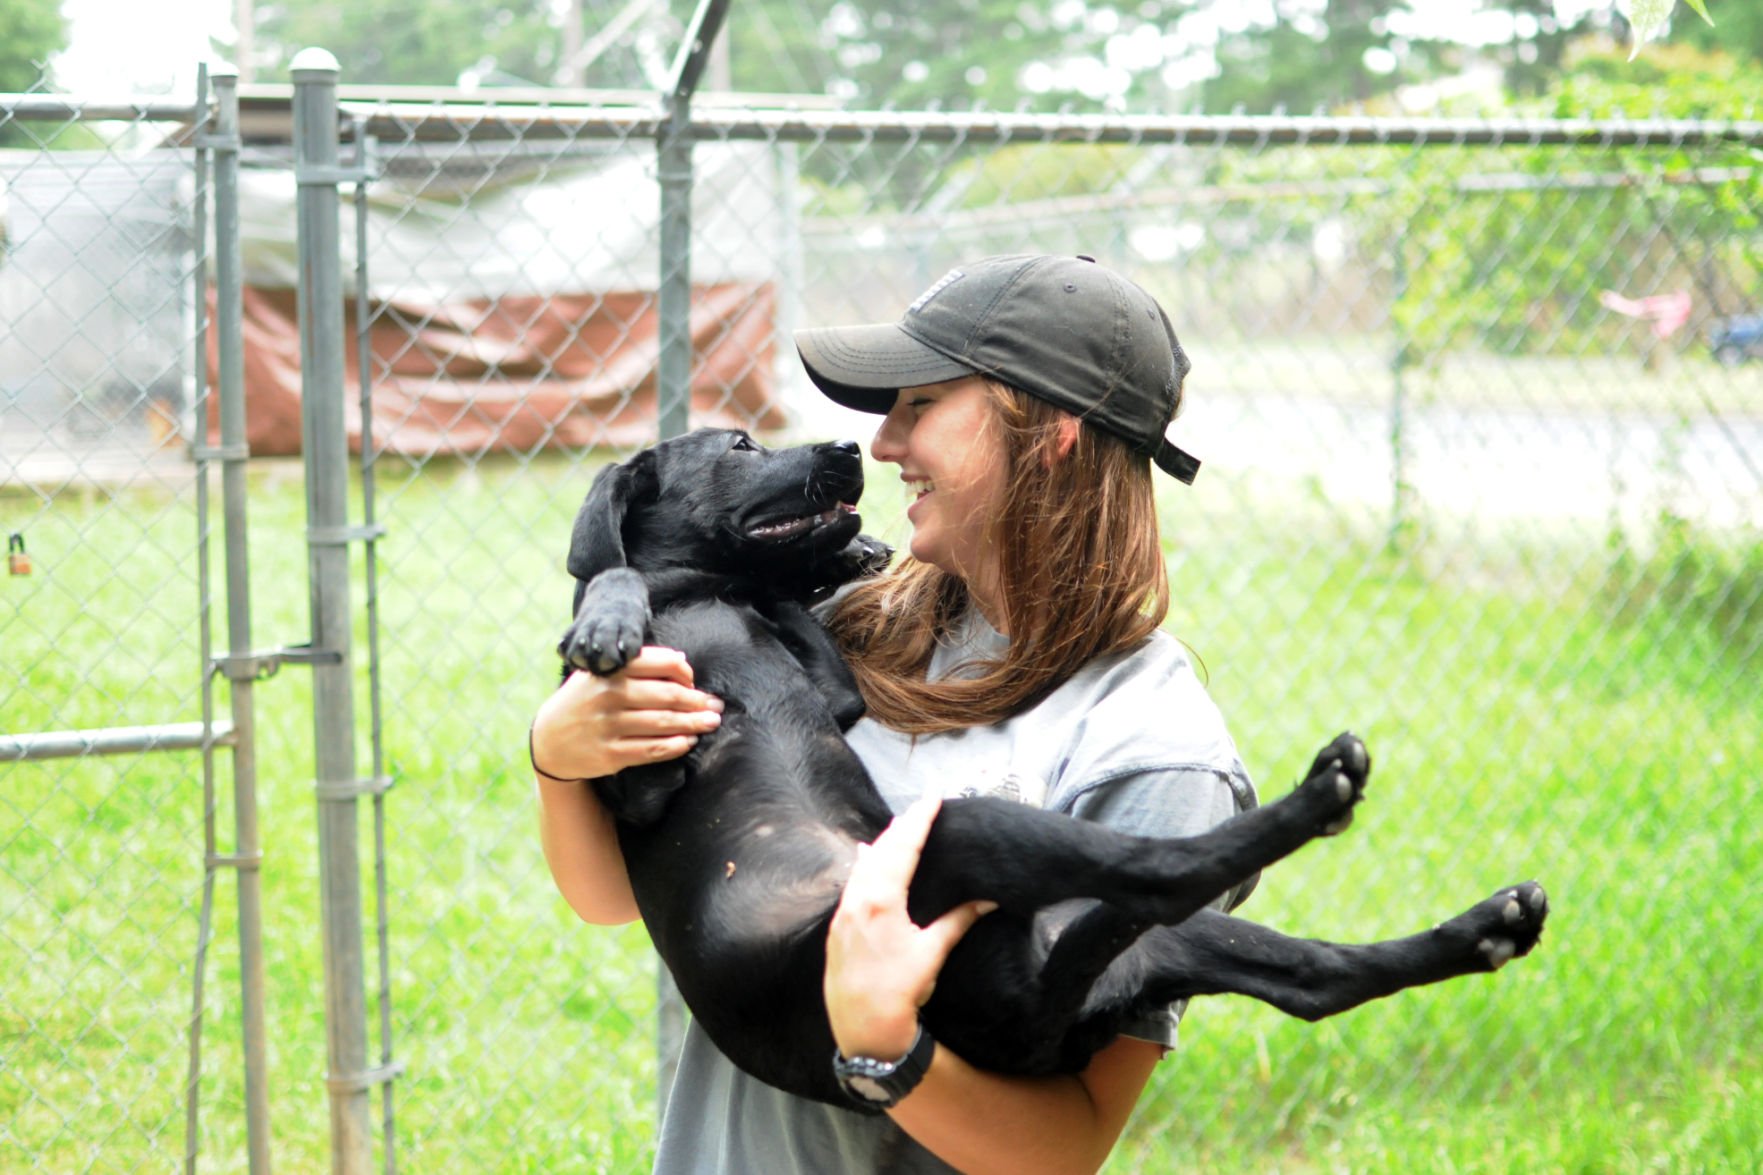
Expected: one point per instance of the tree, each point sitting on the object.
(1306, 56)
(1532, 59)
(31, 31)
(1738, 29)
(1667, 217)
(414, 42)
(941, 54)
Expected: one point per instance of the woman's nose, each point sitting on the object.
(889, 442)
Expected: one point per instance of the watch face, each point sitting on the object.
(868, 1088)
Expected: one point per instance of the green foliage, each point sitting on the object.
(31, 31)
(1736, 28)
(961, 54)
(1039, 171)
(1304, 60)
(415, 44)
(1520, 271)
(1695, 581)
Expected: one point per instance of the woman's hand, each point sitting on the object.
(647, 712)
(881, 967)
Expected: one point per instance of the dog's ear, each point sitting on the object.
(597, 543)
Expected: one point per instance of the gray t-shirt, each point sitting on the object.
(1131, 741)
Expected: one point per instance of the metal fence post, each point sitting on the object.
(1401, 358)
(673, 369)
(325, 444)
(234, 452)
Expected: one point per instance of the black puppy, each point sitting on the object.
(738, 852)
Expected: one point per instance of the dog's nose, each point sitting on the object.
(851, 447)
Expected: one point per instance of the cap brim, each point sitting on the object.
(862, 367)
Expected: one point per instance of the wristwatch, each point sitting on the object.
(877, 1085)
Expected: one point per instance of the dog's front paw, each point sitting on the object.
(599, 645)
(866, 555)
(1336, 781)
(860, 558)
(609, 626)
(1501, 928)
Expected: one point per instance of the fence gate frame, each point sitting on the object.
(210, 130)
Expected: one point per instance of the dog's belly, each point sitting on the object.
(743, 933)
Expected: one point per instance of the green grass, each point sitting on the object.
(1537, 705)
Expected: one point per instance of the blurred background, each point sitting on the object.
(1473, 301)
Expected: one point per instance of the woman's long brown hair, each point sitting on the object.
(1081, 575)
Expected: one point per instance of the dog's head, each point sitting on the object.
(715, 500)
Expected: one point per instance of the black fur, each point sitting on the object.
(713, 545)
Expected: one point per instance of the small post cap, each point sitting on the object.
(314, 60)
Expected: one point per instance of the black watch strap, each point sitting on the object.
(876, 1085)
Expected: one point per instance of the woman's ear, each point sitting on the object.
(1064, 439)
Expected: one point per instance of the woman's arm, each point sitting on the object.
(881, 969)
(982, 1122)
(591, 726)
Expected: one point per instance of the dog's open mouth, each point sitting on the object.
(789, 528)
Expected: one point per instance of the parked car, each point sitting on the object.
(1735, 339)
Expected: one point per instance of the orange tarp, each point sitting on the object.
(517, 372)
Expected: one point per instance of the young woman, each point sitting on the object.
(1014, 651)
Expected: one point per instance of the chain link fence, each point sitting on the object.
(1476, 486)
(102, 833)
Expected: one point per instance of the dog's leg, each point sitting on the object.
(1081, 939)
(1024, 858)
(1216, 954)
(812, 646)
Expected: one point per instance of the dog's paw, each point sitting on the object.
(1336, 782)
(610, 623)
(1501, 928)
(863, 556)
(600, 645)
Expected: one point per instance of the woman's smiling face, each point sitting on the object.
(950, 450)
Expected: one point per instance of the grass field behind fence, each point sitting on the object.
(1541, 706)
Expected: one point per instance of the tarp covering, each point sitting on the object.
(513, 304)
(516, 372)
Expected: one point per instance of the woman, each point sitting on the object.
(1014, 652)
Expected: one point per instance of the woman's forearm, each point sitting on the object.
(580, 842)
(980, 1122)
(592, 727)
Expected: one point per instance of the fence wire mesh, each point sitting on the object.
(99, 890)
(1480, 484)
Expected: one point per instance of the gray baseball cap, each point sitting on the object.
(1063, 329)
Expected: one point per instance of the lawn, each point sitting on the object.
(1538, 704)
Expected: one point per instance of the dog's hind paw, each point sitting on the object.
(1336, 782)
(1503, 927)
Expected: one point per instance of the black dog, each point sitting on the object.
(738, 852)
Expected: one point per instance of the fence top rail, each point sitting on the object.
(488, 118)
(1201, 130)
(402, 112)
(72, 108)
